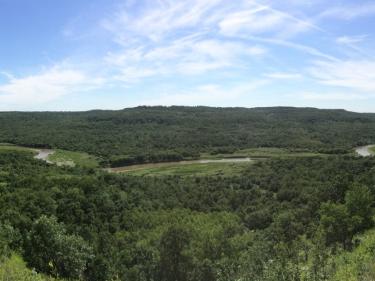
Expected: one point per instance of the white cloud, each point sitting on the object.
(159, 18)
(44, 87)
(257, 20)
(264, 19)
(349, 12)
(7, 75)
(351, 40)
(296, 46)
(284, 75)
(358, 75)
(193, 37)
(184, 56)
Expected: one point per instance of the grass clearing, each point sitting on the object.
(10, 147)
(208, 169)
(263, 152)
(72, 158)
(193, 169)
(59, 157)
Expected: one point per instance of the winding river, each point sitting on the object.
(43, 154)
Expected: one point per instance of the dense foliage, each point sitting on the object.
(281, 219)
(156, 134)
(305, 218)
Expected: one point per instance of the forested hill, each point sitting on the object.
(160, 133)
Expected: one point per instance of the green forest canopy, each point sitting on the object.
(295, 218)
(157, 134)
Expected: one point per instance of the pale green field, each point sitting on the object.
(11, 147)
(265, 152)
(194, 169)
(205, 169)
(81, 159)
(71, 158)
(59, 157)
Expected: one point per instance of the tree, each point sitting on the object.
(8, 236)
(336, 223)
(51, 250)
(358, 201)
(174, 263)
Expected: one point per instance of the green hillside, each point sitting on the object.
(158, 134)
(301, 210)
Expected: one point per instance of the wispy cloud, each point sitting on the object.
(158, 19)
(312, 51)
(351, 11)
(46, 86)
(185, 56)
(261, 19)
(284, 75)
(252, 21)
(357, 75)
(351, 40)
(195, 37)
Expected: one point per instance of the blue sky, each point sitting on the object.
(107, 54)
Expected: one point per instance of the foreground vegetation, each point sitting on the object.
(14, 269)
(302, 212)
(279, 219)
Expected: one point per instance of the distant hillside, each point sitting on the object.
(171, 133)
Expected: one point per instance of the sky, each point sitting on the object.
(104, 54)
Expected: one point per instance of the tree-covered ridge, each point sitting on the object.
(157, 134)
(285, 219)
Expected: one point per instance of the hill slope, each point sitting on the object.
(153, 134)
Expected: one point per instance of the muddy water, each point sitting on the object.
(43, 154)
(364, 151)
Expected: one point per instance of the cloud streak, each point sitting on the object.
(357, 75)
(46, 86)
(349, 12)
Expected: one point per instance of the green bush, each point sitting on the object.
(51, 250)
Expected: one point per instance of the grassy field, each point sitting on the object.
(71, 158)
(372, 150)
(265, 152)
(11, 147)
(59, 157)
(194, 169)
(204, 169)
